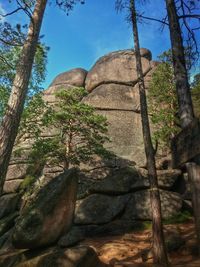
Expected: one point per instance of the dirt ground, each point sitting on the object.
(126, 250)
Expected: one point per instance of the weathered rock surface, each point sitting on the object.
(121, 181)
(75, 77)
(146, 53)
(49, 214)
(49, 94)
(99, 209)
(125, 132)
(16, 171)
(7, 223)
(6, 242)
(116, 67)
(112, 194)
(8, 204)
(74, 236)
(114, 96)
(116, 227)
(166, 178)
(139, 206)
(12, 186)
(81, 256)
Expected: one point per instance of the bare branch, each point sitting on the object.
(153, 19)
(194, 16)
(11, 13)
(6, 42)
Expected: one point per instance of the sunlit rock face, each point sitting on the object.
(113, 86)
(112, 195)
(66, 80)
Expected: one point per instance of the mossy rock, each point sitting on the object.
(49, 214)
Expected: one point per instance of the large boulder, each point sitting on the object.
(12, 186)
(127, 179)
(117, 67)
(16, 171)
(49, 214)
(120, 181)
(125, 133)
(139, 206)
(81, 256)
(166, 178)
(8, 204)
(75, 77)
(98, 209)
(66, 80)
(74, 257)
(114, 96)
(49, 95)
(7, 223)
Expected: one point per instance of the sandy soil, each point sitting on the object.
(127, 250)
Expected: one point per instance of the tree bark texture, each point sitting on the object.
(11, 120)
(186, 112)
(194, 177)
(159, 249)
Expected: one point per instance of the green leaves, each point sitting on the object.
(163, 105)
(8, 62)
(80, 132)
(196, 94)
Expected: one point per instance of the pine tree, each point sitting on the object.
(11, 120)
(80, 132)
(159, 249)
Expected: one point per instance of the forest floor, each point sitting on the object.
(126, 250)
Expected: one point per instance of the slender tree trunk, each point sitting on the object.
(186, 112)
(159, 250)
(194, 178)
(11, 120)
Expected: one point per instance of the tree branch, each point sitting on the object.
(194, 16)
(6, 62)
(153, 19)
(11, 13)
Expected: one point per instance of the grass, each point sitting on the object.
(180, 217)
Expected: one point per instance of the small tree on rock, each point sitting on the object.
(163, 103)
(80, 132)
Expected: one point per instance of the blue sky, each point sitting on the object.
(92, 30)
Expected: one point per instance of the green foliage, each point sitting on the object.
(27, 183)
(9, 57)
(196, 94)
(80, 132)
(31, 118)
(163, 105)
(145, 225)
(180, 217)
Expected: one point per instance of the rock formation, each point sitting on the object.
(112, 196)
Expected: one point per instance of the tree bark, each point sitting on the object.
(159, 249)
(194, 177)
(186, 112)
(11, 120)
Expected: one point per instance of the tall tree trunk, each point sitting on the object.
(11, 120)
(159, 249)
(194, 178)
(186, 112)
